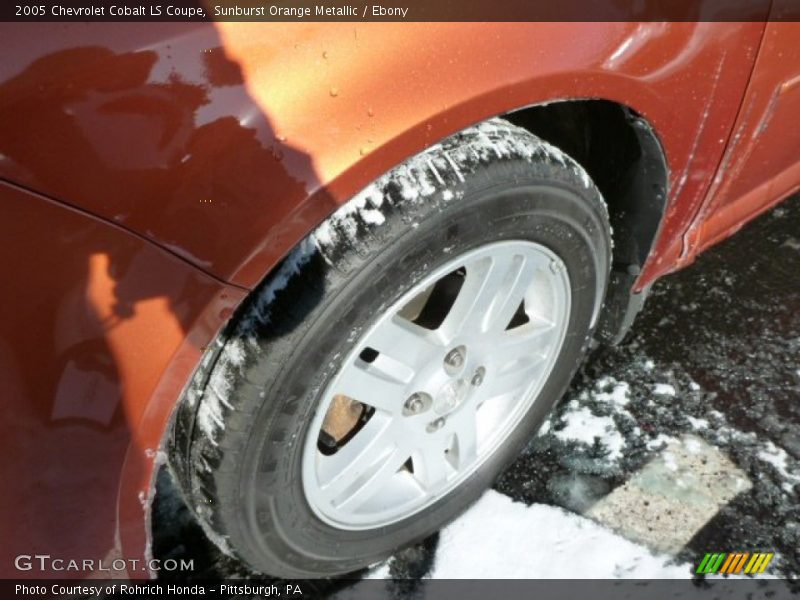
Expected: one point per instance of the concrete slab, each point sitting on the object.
(667, 501)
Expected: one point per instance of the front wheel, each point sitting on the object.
(400, 357)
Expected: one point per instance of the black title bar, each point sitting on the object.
(398, 10)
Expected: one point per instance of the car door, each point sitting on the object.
(762, 162)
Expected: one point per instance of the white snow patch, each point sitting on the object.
(373, 216)
(235, 352)
(209, 419)
(619, 395)
(583, 426)
(660, 441)
(792, 243)
(669, 461)
(499, 538)
(778, 458)
(692, 445)
(664, 389)
(379, 571)
(210, 415)
(697, 423)
(221, 383)
(367, 203)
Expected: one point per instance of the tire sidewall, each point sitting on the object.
(275, 514)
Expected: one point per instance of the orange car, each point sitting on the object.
(335, 275)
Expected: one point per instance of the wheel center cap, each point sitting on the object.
(450, 396)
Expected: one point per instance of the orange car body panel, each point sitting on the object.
(226, 143)
(100, 331)
(762, 162)
(155, 173)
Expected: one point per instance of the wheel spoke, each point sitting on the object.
(369, 384)
(431, 468)
(529, 342)
(362, 489)
(518, 281)
(465, 429)
(516, 379)
(358, 460)
(405, 342)
(520, 356)
(492, 291)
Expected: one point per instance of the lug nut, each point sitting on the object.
(435, 425)
(477, 378)
(455, 358)
(416, 403)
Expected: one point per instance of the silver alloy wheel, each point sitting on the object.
(437, 402)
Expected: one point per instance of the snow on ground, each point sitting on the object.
(539, 541)
(583, 426)
(778, 458)
(664, 389)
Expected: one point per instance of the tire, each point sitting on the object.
(247, 423)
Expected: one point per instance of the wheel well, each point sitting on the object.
(625, 159)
